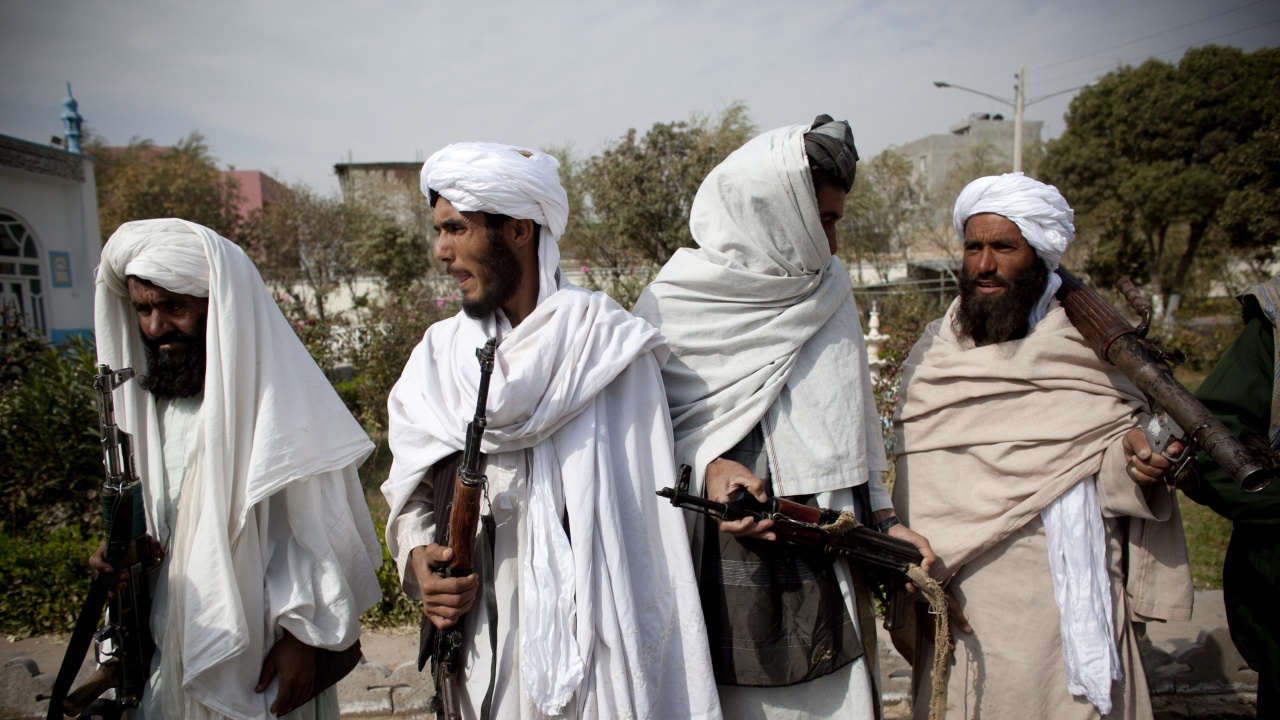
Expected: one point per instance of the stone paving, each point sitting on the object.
(1193, 669)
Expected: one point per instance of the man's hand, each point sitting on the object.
(902, 532)
(98, 561)
(293, 662)
(1144, 466)
(444, 600)
(725, 476)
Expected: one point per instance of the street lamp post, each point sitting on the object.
(1018, 102)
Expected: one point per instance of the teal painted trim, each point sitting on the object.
(61, 335)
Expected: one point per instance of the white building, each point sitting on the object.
(49, 237)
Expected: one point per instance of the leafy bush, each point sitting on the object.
(49, 445)
(46, 577)
(389, 329)
(395, 609)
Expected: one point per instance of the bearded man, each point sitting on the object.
(249, 466)
(596, 607)
(1019, 457)
(770, 392)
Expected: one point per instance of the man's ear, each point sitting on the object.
(521, 232)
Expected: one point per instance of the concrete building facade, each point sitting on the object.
(934, 157)
(49, 239)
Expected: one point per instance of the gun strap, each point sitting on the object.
(491, 607)
(78, 645)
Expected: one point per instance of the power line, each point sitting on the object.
(1148, 37)
(1097, 71)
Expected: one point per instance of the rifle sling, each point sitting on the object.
(78, 645)
(490, 606)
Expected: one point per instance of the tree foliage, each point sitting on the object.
(304, 238)
(141, 181)
(49, 446)
(1164, 161)
(881, 213)
(634, 197)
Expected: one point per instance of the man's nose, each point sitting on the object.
(986, 261)
(443, 249)
(155, 323)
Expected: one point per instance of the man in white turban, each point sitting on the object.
(1020, 457)
(248, 460)
(596, 606)
(769, 391)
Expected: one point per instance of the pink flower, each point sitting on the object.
(585, 269)
(453, 297)
(440, 303)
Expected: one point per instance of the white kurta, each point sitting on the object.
(605, 439)
(287, 568)
(279, 536)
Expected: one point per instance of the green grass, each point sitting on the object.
(1207, 536)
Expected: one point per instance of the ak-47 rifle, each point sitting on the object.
(1177, 414)
(127, 662)
(827, 530)
(460, 536)
(836, 533)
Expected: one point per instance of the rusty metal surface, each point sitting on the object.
(1118, 343)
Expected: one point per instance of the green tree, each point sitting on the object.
(881, 213)
(49, 446)
(638, 192)
(307, 239)
(1164, 161)
(141, 181)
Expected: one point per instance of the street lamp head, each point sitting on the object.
(939, 83)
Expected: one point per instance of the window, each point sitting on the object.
(21, 279)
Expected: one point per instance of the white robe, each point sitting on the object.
(279, 460)
(579, 380)
(287, 569)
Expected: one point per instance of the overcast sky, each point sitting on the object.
(291, 87)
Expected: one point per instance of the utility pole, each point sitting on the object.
(1019, 95)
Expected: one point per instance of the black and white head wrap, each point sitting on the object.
(829, 145)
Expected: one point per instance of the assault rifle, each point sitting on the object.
(1177, 414)
(126, 636)
(827, 530)
(459, 535)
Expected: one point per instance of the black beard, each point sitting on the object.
(502, 277)
(174, 376)
(991, 319)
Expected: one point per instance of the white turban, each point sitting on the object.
(271, 423)
(166, 253)
(506, 180)
(1039, 211)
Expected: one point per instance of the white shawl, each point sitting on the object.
(624, 588)
(270, 420)
(763, 327)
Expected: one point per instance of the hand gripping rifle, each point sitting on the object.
(1178, 415)
(460, 536)
(127, 659)
(827, 530)
(837, 533)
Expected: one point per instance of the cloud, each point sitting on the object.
(292, 87)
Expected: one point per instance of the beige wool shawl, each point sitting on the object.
(988, 437)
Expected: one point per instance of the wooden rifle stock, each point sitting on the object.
(813, 527)
(1120, 344)
(460, 537)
